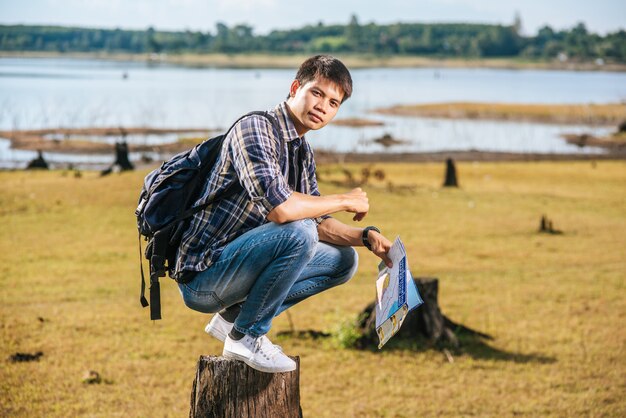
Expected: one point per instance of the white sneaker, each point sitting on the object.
(218, 327)
(258, 353)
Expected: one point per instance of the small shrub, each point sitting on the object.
(347, 334)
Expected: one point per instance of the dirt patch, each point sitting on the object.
(357, 122)
(25, 357)
(388, 141)
(615, 142)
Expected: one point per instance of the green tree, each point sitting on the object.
(153, 44)
(353, 34)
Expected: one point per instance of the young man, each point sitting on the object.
(273, 244)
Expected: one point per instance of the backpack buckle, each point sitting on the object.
(157, 267)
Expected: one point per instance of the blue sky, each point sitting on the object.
(599, 15)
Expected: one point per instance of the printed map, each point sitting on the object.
(396, 293)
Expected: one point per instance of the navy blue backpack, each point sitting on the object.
(166, 206)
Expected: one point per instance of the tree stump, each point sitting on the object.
(226, 388)
(122, 160)
(38, 162)
(121, 156)
(426, 321)
(450, 180)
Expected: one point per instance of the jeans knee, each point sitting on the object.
(349, 264)
(205, 302)
(304, 232)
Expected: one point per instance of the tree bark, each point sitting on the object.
(228, 388)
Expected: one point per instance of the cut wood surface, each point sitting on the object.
(226, 388)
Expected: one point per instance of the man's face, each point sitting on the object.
(314, 103)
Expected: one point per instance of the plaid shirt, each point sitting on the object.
(251, 156)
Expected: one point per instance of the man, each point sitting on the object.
(273, 244)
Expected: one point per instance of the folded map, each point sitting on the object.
(396, 293)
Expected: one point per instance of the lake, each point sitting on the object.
(72, 93)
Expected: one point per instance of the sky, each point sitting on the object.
(600, 16)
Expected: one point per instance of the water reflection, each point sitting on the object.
(430, 134)
(48, 93)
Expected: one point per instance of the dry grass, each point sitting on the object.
(594, 114)
(357, 122)
(554, 304)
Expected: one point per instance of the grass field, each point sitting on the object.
(590, 114)
(555, 304)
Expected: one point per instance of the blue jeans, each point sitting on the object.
(269, 269)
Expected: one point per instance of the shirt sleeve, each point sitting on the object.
(255, 153)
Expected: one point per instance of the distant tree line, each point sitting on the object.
(436, 40)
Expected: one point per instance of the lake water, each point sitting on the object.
(48, 93)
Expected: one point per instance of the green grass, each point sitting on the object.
(554, 303)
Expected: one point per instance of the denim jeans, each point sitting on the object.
(269, 269)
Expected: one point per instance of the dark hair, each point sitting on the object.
(327, 67)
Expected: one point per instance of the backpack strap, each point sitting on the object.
(273, 121)
(142, 297)
(160, 241)
(231, 189)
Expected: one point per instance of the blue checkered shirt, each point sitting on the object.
(251, 156)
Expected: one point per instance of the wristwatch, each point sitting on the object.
(365, 238)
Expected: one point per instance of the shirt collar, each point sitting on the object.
(287, 125)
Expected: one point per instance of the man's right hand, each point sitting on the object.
(301, 206)
(357, 202)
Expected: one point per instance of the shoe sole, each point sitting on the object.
(259, 367)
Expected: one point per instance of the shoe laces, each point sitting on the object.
(266, 348)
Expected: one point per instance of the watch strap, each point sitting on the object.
(365, 238)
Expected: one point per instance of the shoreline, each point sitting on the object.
(325, 157)
(280, 61)
(607, 114)
(35, 140)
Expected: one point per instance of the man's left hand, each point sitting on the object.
(380, 246)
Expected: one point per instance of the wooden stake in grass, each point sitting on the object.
(450, 180)
(545, 226)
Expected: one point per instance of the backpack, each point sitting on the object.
(165, 207)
